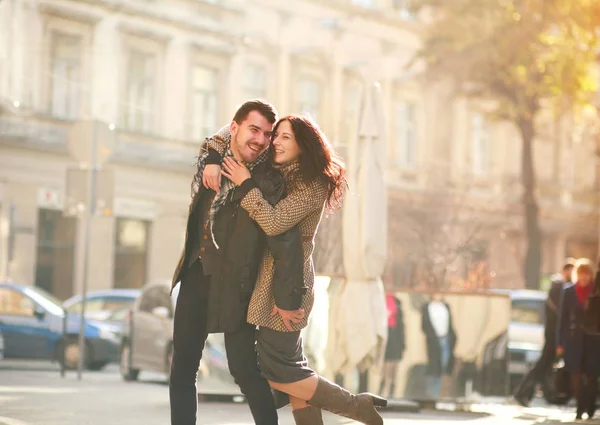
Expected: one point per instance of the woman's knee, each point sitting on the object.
(298, 403)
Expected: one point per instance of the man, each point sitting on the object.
(525, 391)
(438, 327)
(219, 266)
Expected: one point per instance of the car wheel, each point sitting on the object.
(127, 372)
(70, 353)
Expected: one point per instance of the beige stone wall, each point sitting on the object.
(339, 46)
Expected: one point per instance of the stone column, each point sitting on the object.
(102, 253)
(23, 197)
(166, 244)
(176, 109)
(108, 66)
(284, 95)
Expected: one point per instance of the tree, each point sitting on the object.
(433, 232)
(524, 56)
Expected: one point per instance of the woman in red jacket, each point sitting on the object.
(581, 351)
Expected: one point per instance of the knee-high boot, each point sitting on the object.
(359, 407)
(310, 415)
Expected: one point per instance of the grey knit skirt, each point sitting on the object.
(280, 356)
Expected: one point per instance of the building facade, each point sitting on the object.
(163, 74)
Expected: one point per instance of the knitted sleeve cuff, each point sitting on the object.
(213, 157)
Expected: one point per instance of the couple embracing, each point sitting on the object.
(258, 195)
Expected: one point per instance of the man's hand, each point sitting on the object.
(289, 316)
(211, 177)
(235, 171)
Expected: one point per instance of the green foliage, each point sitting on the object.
(517, 53)
(523, 55)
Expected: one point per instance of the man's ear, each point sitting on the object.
(233, 128)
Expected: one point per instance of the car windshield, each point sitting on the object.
(527, 311)
(118, 315)
(48, 301)
(108, 303)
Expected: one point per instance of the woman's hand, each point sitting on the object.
(235, 171)
(211, 177)
(289, 316)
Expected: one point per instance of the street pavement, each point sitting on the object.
(35, 394)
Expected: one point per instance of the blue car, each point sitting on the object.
(32, 322)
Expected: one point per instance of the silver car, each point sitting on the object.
(526, 332)
(147, 339)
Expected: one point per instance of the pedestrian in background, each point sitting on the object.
(437, 325)
(395, 346)
(581, 351)
(543, 366)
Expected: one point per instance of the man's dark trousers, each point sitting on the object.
(189, 337)
(541, 368)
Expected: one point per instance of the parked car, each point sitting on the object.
(101, 304)
(525, 332)
(147, 339)
(35, 326)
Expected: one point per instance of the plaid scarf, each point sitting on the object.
(227, 186)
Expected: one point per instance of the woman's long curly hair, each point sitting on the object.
(318, 158)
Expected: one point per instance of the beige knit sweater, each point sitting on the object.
(304, 207)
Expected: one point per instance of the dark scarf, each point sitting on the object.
(227, 186)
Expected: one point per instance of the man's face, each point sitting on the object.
(250, 138)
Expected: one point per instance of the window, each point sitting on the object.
(102, 304)
(403, 7)
(165, 300)
(480, 140)
(65, 76)
(405, 151)
(139, 105)
(150, 300)
(309, 97)
(255, 82)
(55, 253)
(131, 253)
(528, 311)
(156, 297)
(15, 303)
(204, 110)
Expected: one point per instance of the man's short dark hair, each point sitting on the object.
(568, 266)
(261, 106)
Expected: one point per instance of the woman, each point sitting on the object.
(315, 180)
(394, 349)
(581, 351)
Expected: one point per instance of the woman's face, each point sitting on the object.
(285, 147)
(584, 278)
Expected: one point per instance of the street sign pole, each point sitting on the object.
(89, 213)
(90, 143)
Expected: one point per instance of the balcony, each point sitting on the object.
(44, 133)
(144, 150)
(30, 132)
